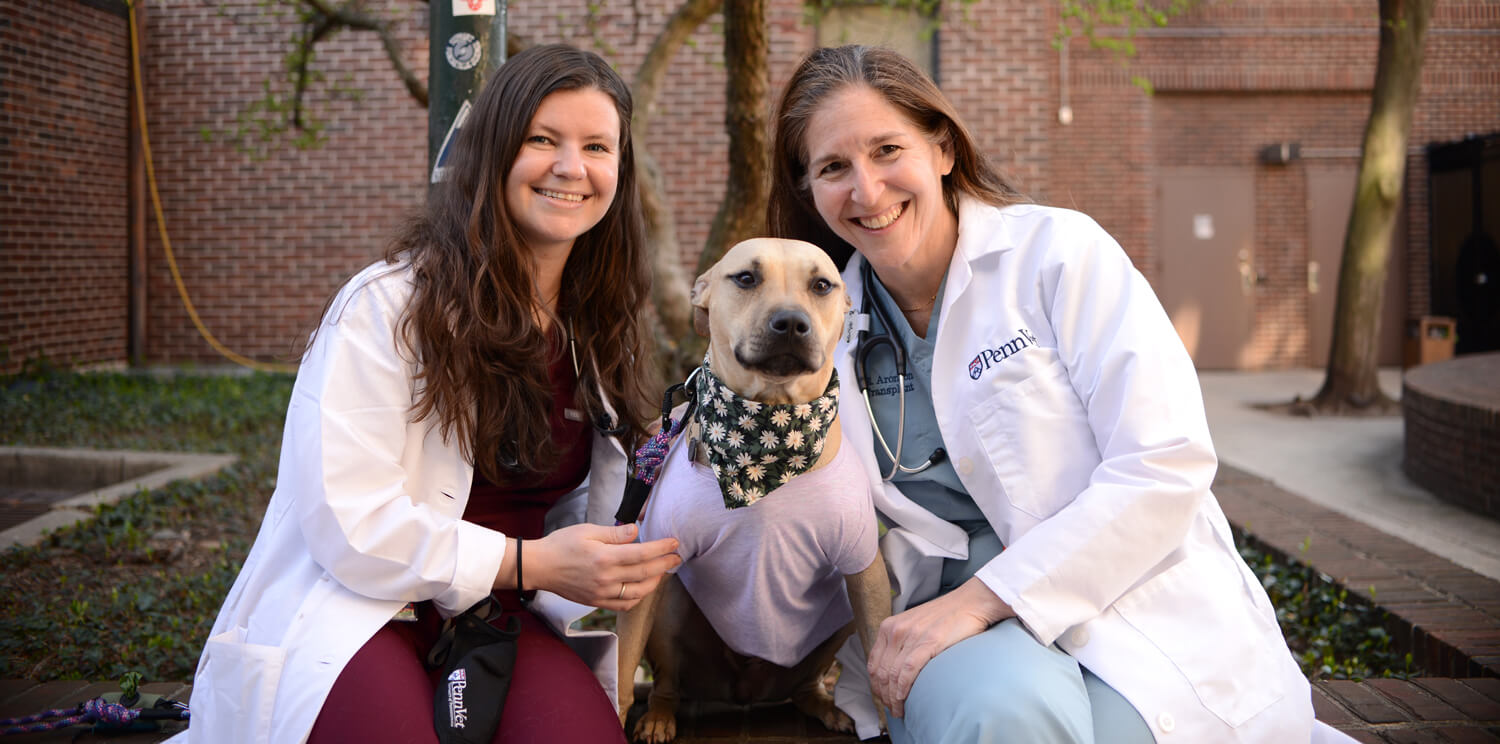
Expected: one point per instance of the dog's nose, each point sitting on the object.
(790, 323)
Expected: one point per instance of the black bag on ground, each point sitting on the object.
(477, 659)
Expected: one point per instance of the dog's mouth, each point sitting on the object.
(778, 364)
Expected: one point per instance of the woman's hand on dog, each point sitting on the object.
(908, 640)
(596, 565)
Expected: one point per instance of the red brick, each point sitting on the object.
(1469, 735)
(1421, 703)
(262, 242)
(1365, 702)
(1328, 710)
(1415, 736)
(1460, 695)
(43, 696)
(1487, 686)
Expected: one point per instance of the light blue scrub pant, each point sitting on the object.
(1003, 686)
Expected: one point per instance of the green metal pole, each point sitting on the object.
(467, 44)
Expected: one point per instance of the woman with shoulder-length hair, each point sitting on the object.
(457, 433)
(1063, 572)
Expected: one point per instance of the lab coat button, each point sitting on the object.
(1079, 637)
(1166, 723)
(965, 466)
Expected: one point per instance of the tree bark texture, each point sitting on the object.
(669, 286)
(742, 213)
(1351, 382)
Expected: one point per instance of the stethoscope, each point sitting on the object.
(606, 426)
(865, 343)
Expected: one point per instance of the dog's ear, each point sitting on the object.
(699, 298)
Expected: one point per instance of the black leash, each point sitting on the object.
(651, 455)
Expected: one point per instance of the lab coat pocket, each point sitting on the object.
(1197, 615)
(1036, 437)
(237, 709)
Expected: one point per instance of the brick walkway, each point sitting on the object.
(1446, 615)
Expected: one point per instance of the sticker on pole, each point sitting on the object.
(463, 51)
(439, 169)
(473, 7)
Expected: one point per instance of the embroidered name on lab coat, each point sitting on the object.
(990, 357)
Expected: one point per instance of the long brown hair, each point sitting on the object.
(471, 320)
(826, 71)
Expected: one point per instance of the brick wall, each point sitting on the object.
(63, 152)
(263, 234)
(263, 237)
(1230, 78)
(1451, 442)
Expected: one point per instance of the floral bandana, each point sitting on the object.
(755, 447)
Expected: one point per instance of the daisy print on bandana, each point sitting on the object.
(754, 447)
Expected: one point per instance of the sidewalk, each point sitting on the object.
(1351, 466)
(1331, 485)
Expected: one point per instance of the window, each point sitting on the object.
(902, 28)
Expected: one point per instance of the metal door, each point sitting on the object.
(1205, 231)
(1330, 197)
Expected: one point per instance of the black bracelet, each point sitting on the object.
(520, 585)
(519, 588)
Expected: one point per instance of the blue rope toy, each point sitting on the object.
(106, 716)
(650, 456)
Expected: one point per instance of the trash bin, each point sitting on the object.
(1429, 339)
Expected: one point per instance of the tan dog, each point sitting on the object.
(773, 310)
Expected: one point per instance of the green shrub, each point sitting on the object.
(137, 588)
(1332, 634)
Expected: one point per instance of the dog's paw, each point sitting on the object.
(815, 702)
(837, 720)
(656, 727)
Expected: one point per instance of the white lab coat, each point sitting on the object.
(1072, 414)
(366, 516)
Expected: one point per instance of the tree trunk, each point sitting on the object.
(742, 213)
(1351, 384)
(669, 286)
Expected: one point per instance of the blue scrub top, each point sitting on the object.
(936, 489)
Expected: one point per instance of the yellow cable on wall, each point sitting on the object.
(161, 225)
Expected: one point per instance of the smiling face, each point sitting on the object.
(877, 180)
(773, 310)
(564, 177)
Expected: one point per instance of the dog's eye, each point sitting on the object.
(744, 279)
(822, 286)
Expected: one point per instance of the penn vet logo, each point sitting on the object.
(987, 358)
(458, 714)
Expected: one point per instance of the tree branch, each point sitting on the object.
(669, 286)
(303, 66)
(684, 21)
(351, 16)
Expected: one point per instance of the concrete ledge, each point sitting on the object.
(110, 475)
(1452, 434)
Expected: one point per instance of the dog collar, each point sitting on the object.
(755, 447)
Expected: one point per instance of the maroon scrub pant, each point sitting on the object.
(385, 693)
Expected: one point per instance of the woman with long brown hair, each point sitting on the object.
(457, 433)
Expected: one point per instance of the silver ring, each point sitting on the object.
(622, 591)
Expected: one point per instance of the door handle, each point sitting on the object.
(1312, 277)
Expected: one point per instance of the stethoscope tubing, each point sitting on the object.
(865, 343)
